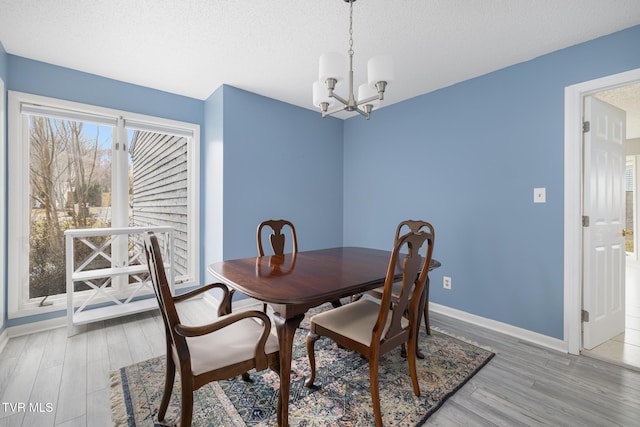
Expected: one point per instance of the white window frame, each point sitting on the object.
(18, 305)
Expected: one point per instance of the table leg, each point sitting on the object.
(286, 329)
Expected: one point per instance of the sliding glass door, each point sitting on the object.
(78, 167)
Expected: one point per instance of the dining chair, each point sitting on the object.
(374, 327)
(412, 225)
(277, 239)
(231, 345)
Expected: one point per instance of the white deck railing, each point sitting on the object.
(120, 288)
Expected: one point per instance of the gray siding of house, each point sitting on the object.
(160, 194)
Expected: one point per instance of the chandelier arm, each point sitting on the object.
(368, 100)
(339, 98)
(336, 110)
(362, 112)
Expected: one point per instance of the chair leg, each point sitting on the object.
(311, 341)
(375, 390)
(279, 416)
(411, 357)
(274, 364)
(427, 325)
(186, 404)
(169, 379)
(246, 376)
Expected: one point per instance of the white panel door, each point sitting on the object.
(604, 204)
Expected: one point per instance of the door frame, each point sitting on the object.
(573, 268)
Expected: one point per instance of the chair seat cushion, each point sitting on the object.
(231, 344)
(354, 321)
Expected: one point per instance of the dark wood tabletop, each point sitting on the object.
(305, 277)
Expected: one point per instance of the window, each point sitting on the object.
(628, 174)
(630, 203)
(78, 166)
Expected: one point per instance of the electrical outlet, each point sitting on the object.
(446, 282)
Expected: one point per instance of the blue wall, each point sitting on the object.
(280, 161)
(467, 158)
(39, 78)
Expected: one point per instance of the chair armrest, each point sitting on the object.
(195, 331)
(201, 290)
(225, 304)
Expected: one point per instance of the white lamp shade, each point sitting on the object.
(366, 91)
(380, 69)
(332, 65)
(321, 94)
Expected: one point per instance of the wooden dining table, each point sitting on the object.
(293, 283)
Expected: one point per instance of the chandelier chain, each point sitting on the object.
(350, 51)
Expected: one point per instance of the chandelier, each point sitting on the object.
(331, 72)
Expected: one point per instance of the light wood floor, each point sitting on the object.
(522, 385)
(625, 348)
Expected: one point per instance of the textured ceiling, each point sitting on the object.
(626, 98)
(271, 47)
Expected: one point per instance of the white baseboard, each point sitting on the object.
(34, 327)
(505, 328)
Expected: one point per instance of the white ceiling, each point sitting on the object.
(628, 99)
(271, 47)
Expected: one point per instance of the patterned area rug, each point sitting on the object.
(342, 398)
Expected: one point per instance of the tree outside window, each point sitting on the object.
(70, 180)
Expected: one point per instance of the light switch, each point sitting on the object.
(539, 195)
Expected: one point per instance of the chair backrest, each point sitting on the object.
(414, 225)
(277, 237)
(163, 294)
(414, 267)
